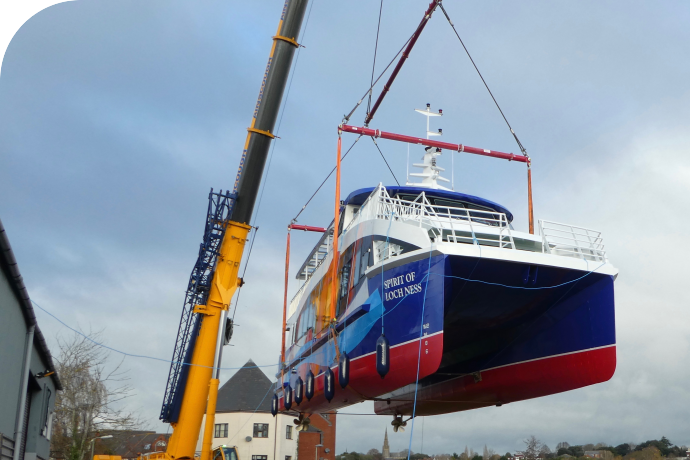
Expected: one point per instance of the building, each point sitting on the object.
(244, 420)
(130, 444)
(28, 382)
(321, 433)
(386, 451)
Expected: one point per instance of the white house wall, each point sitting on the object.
(241, 426)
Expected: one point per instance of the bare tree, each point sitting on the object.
(533, 448)
(91, 399)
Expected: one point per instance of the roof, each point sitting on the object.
(359, 196)
(246, 391)
(129, 444)
(11, 270)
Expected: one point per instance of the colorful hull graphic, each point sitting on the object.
(399, 318)
(517, 331)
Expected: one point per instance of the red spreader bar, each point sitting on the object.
(307, 228)
(432, 143)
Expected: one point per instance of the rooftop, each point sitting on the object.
(246, 391)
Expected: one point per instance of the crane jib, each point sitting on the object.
(212, 283)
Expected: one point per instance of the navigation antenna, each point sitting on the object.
(430, 171)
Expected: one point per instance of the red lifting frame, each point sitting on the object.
(432, 143)
(405, 55)
(456, 148)
(306, 228)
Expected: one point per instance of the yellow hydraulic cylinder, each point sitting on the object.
(185, 435)
(210, 419)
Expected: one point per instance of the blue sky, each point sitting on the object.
(117, 117)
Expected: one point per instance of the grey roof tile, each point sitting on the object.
(248, 390)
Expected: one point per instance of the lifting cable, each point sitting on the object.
(384, 159)
(522, 149)
(376, 47)
(270, 159)
(346, 118)
(324, 181)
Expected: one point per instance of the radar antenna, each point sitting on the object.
(431, 173)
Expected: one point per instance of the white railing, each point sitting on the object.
(571, 241)
(453, 224)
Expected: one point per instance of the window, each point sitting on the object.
(46, 411)
(260, 431)
(288, 432)
(147, 446)
(221, 430)
(259, 457)
(288, 457)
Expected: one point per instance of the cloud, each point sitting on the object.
(117, 117)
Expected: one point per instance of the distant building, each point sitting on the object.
(28, 382)
(594, 453)
(243, 420)
(130, 444)
(386, 450)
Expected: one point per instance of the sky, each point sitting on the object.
(117, 117)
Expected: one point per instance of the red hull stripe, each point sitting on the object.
(365, 382)
(502, 385)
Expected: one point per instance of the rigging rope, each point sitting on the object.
(384, 159)
(522, 149)
(419, 353)
(376, 47)
(346, 118)
(324, 181)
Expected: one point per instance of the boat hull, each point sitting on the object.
(519, 331)
(493, 331)
(408, 311)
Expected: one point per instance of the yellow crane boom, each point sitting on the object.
(193, 380)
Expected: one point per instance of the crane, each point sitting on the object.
(192, 386)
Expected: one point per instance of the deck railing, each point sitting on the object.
(571, 241)
(459, 225)
(453, 224)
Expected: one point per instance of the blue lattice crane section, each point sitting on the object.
(217, 217)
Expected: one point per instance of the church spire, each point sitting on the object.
(386, 449)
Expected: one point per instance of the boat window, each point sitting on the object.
(407, 197)
(342, 220)
(344, 285)
(365, 256)
(306, 319)
(358, 262)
